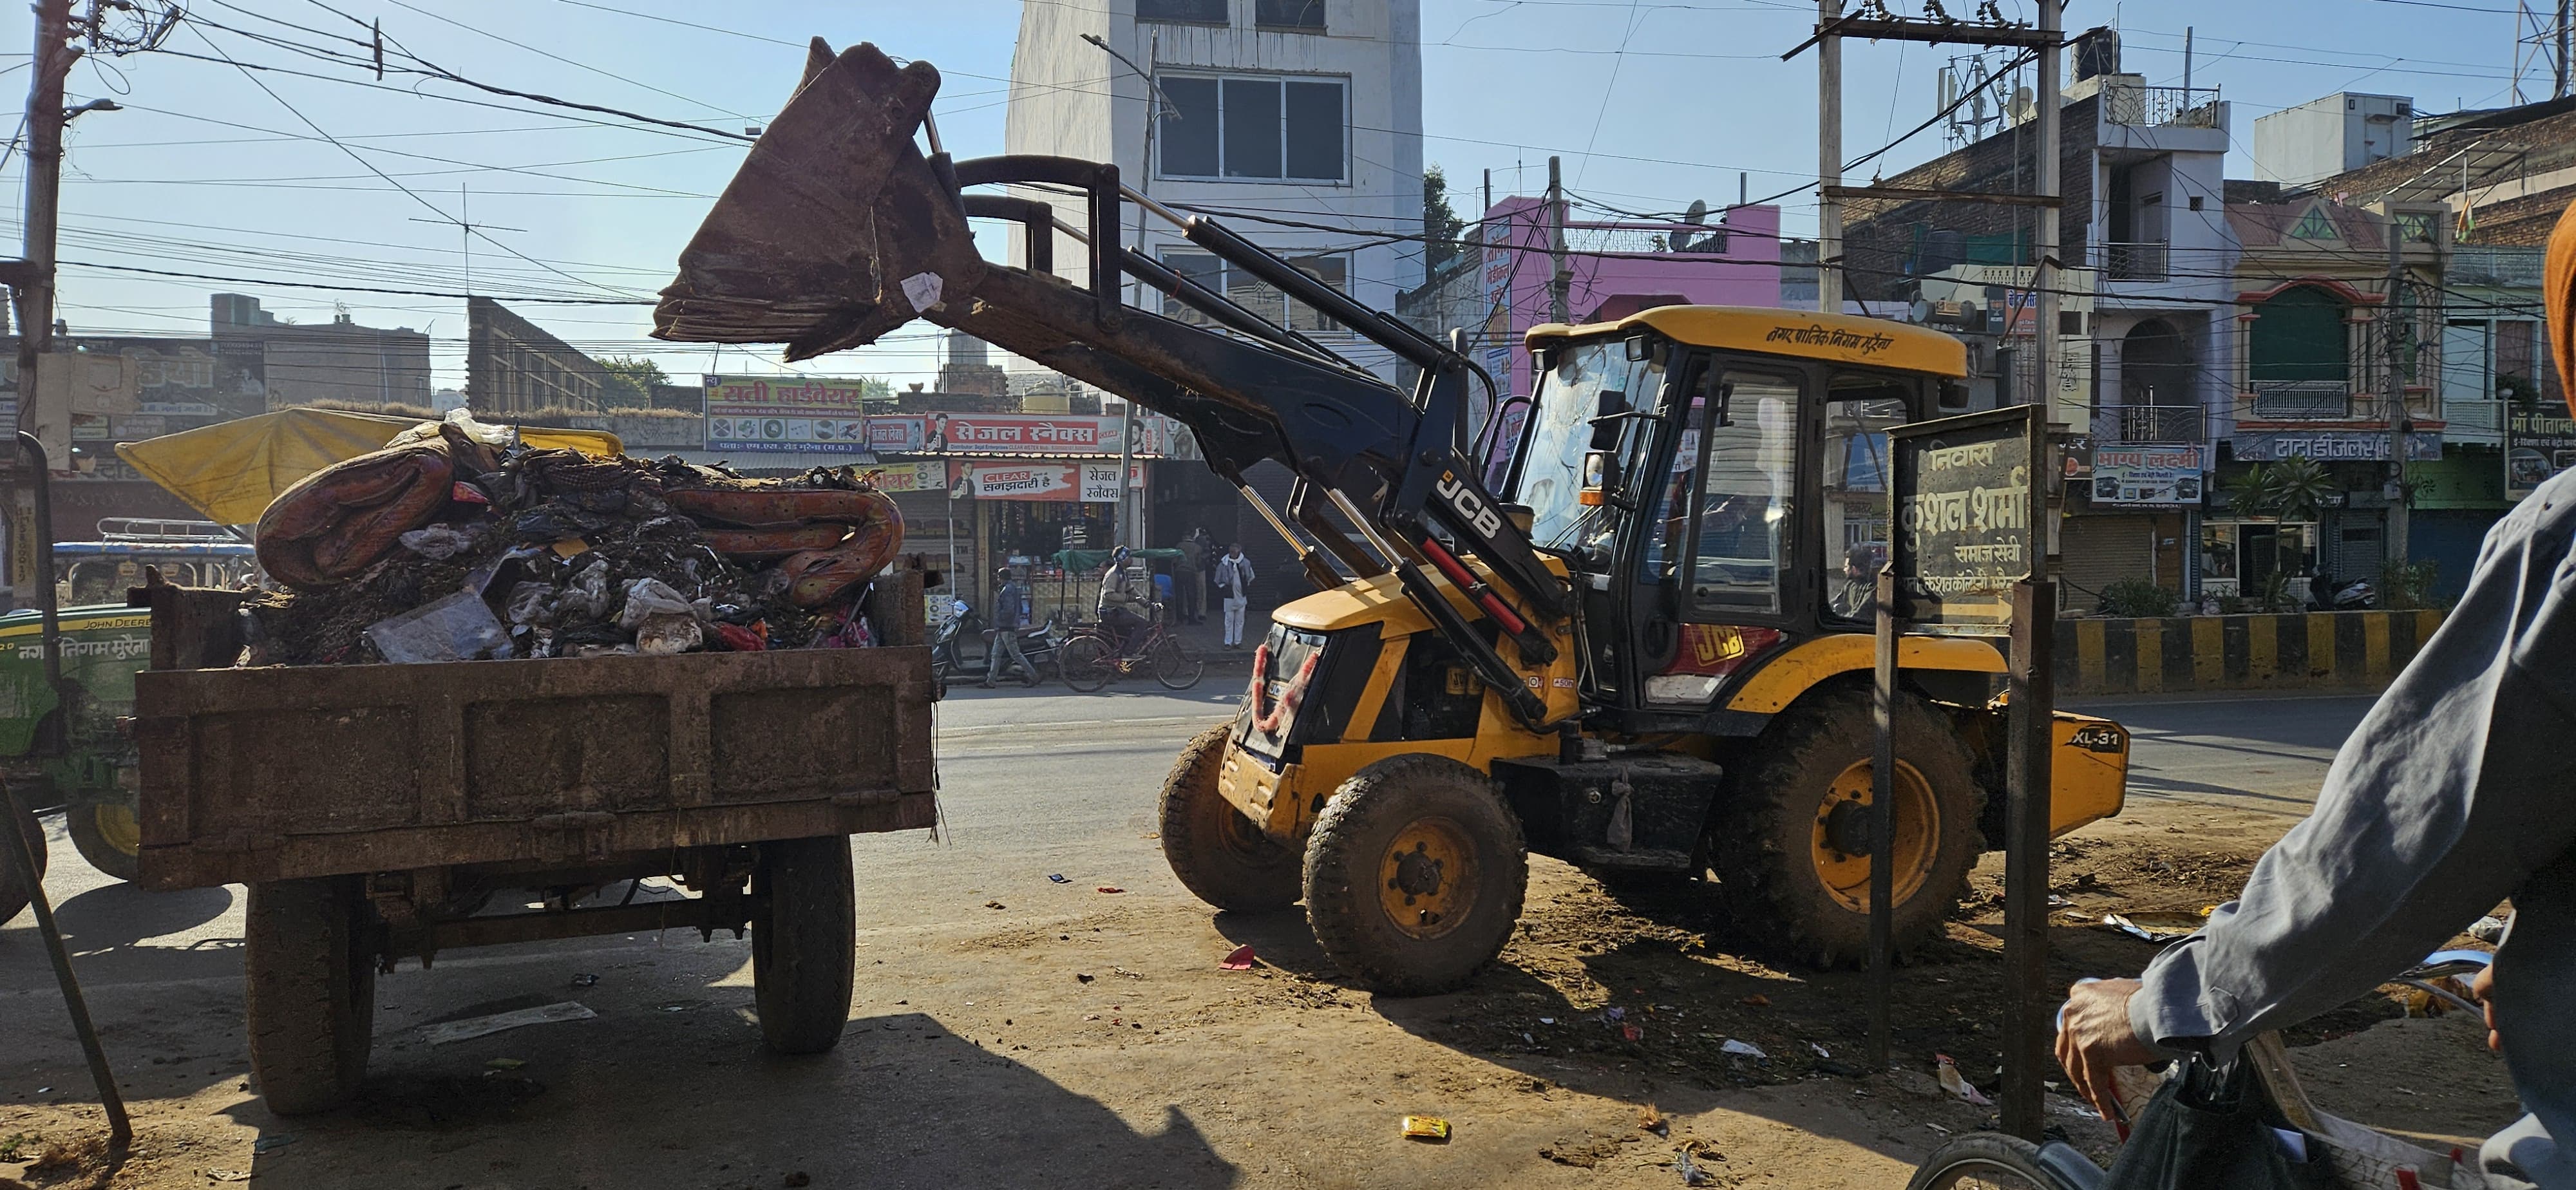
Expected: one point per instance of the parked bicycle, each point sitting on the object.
(1090, 658)
(2347, 1154)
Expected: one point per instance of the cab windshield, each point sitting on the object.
(1560, 432)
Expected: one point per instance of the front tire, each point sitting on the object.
(310, 984)
(1219, 855)
(108, 836)
(1174, 667)
(1791, 869)
(1414, 875)
(1985, 1159)
(805, 945)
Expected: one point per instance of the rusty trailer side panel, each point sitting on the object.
(279, 773)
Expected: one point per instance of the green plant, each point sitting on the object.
(2518, 389)
(2136, 597)
(1441, 225)
(2407, 586)
(2291, 489)
(2234, 605)
(2275, 594)
(13, 1144)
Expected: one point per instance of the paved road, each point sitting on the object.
(1044, 781)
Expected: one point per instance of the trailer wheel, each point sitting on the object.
(1792, 844)
(108, 835)
(15, 889)
(1220, 856)
(311, 991)
(805, 943)
(1414, 875)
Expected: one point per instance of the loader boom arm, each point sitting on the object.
(838, 229)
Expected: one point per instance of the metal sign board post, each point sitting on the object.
(1965, 560)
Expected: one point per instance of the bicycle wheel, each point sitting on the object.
(1174, 667)
(1085, 663)
(1982, 1160)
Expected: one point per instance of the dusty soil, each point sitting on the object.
(1056, 1035)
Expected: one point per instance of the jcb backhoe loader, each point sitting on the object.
(1630, 637)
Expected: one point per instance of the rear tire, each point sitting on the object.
(1220, 856)
(15, 888)
(1781, 879)
(1985, 1159)
(1084, 661)
(805, 944)
(1414, 875)
(108, 836)
(1174, 667)
(310, 991)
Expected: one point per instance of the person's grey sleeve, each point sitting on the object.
(2451, 792)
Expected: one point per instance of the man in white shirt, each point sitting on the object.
(1233, 581)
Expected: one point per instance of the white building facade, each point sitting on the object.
(1299, 111)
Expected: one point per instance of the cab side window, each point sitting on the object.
(1858, 410)
(1744, 521)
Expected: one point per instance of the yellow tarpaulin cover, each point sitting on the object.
(231, 470)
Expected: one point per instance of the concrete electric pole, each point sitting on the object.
(1829, 159)
(1560, 279)
(2394, 394)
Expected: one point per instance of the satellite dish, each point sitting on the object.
(1919, 310)
(1697, 212)
(2022, 106)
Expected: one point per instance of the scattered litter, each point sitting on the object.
(1239, 960)
(1650, 1120)
(1059, 878)
(1151, 835)
(505, 1063)
(1526, 1039)
(585, 981)
(1547, 1020)
(2156, 927)
(1821, 1051)
(1957, 1084)
(1743, 1049)
(2056, 900)
(457, 627)
(1756, 1000)
(1111, 888)
(438, 543)
(2488, 929)
(1614, 1014)
(229, 1175)
(274, 1140)
(1082, 976)
(1631, 1033)
(481, 1026)
(995, 905)
(1427, 1128)
(1692, 1174)
(1936, 1128)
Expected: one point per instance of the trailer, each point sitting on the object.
(388, 812)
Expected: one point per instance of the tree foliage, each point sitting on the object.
(630, 381)
(1441, 226)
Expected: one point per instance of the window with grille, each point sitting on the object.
(1302, 15)
(1188, 12)
(1261, 127)
(1250, 293)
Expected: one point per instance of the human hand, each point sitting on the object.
(2482, 990)
(2094, 1038)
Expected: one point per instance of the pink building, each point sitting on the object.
(1619, 268)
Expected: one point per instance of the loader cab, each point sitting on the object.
(1715, 480)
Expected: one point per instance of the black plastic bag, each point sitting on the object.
(2206, 1129)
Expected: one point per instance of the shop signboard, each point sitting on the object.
(2536, 448)
(1090, 483)
(895, 435)
(1964, 500)
(929, 476)
(2333, 446)
(1031, 434)
(2147, 475)
(802, 414)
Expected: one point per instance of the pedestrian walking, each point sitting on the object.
(1234, 582)
(1010, 615)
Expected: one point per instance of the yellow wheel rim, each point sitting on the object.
(1427, 878)
(118, 827)
(1842, 822)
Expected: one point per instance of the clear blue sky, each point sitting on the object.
(1651, 104)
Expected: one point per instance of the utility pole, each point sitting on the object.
(2186, 63)
(1560, 280)
(2045, 275)
(35, 280)
(2394, 388)
(2560, 91)
(1829, 157)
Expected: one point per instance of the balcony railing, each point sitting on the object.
(2134, 262)
(2302, 400)
(2151, 423)
(2154, 107)
(2473, 417)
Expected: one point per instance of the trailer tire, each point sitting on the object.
(15, 889)
(1414, 875)
(805, 943)
(310, 982)
(108, 836)
(1780, 877)
(1220, 855)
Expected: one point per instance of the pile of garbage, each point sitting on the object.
(456, 542)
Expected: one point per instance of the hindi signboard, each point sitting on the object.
(2537, 445)
(1966, 496)
(2147, 475)
(802, 414)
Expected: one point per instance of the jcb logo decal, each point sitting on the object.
(1487, 523)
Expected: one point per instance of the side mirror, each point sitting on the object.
(1600, 477)
(1605, 420)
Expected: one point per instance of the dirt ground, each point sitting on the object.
(1058, 1035)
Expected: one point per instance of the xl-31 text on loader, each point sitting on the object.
(1630, 637)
